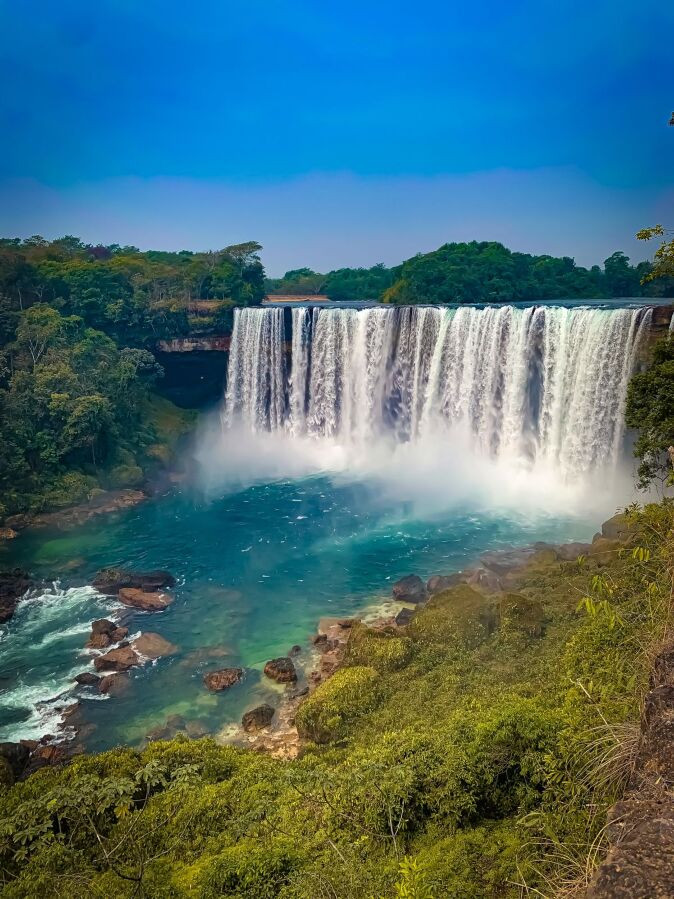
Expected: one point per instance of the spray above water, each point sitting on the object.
(462, 398)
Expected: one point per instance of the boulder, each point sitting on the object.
(439, 582)
(144, 601)
(502, 561)
(114, 684)
(484, 579)
(616, 528)
(257, 718)
(13, 585)
(112, 580)
(87, 679)
(8, 534)
(152, 646)
(410, 589)
(404, 617)
(120, 659)
(295, 650)
(281, 670)
(104, 633)
(223, 678)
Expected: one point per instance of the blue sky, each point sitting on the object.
(338, 133)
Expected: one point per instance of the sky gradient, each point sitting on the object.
(338, 134)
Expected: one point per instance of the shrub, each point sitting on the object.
(381, 650)
(349, 693)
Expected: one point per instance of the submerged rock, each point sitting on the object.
(410, 589)
(120, 659)
(114, 684)
(281, 670)
(223, 678)
(13, 585)
(112, 580)
(144, 601)
(152, 646)
(257, 718)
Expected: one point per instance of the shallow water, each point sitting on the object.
(256, 569)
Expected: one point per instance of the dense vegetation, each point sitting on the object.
(475, 751)
(478, 272)
(77, 326)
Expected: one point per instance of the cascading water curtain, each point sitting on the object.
(542, 384)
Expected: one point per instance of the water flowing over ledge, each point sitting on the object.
(543, 384)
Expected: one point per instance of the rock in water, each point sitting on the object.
(152, 646)
(13, 585)
(257, 718)
(112, 580)
(223, 678)
(120, 659)
(87, 679)
(281, 670)
(104, 633)
(410, 589)
(146, 602)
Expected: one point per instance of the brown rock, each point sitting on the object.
(98, 641)
(146, 602)
(7, 534)
(152, 646)
(112, 580)
(223, 678)
(257, 718)
(281, 670)
(114, 684)
(120, 659)
(439, 582)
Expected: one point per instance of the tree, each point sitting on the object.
(650, 408)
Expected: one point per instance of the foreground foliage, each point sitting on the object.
(453, 761)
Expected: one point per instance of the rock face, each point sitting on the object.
(152, 646)
(104, 633)
(281, 670)
(410, 589)
(112, 580)
(120, 659)
(13, 585)
(14, 758)
(144, 601)
(640, 864)
(257, 718)
(223, 678)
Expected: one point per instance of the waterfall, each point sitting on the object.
(542, 384)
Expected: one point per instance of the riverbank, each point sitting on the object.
(479, 738)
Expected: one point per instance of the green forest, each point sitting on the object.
(79, 325)
(476, 273)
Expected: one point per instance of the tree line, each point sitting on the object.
(478, 272)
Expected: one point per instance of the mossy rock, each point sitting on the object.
(382, 650)
(521, 614)
(460, 615)
(604, 549)
(349, 693)
(122, 476)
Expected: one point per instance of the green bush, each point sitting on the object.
(459, 616)
(349, 693)
(378, 649)
(69, 489)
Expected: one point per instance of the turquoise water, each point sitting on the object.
(256, 569)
